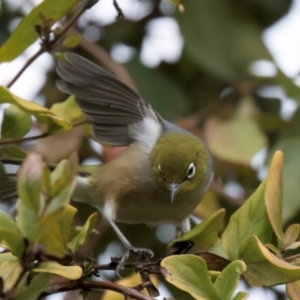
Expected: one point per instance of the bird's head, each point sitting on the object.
(180, 163)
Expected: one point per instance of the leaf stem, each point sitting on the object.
(292, 257)
(27, 64)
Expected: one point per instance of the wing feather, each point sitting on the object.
(111, 105)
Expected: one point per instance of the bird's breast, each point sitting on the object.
(149, 205)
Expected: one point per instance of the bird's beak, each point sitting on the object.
(174, 187)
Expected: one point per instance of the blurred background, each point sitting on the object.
(226, 70)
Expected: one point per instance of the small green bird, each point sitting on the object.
(161, 176)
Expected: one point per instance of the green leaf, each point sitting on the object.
(293, 246)
(81, 237)
(37, 285)
(69, 272)
(12, 151)
(229, 278)
(55, 231)
(227, 140)
(25, 33)
(274, 249)
(68, 110)
(250, 219)
(10, 272)
(293, 290)
(7, 256)
(43, 115)
(241, 296)
(263, 267)
(291, 234)
(204, 235)
(16, 123)
(10, 235)
(189, 273)
(273, 195)
(29, 183)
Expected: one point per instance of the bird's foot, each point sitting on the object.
(141, 253)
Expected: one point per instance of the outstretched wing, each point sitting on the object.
(119, 116)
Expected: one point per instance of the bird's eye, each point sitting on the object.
(191, 171)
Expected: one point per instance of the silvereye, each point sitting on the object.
(159, 178)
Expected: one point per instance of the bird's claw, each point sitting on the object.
(141, 253)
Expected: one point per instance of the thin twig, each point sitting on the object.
(132, 265)
(120, 15)
(27, 64)
(48, 46)
(31, 138)
(292, 257)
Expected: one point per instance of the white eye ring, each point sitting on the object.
(191, 171)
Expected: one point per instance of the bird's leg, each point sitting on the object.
(183, 227)
(141, 253)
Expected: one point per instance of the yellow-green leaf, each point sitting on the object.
(68, 110)
(131, 280)
(7, 256)
(241, 296)
(263, 267)
(291, 235)
(189, 273)
(293, 246)
(250, 219)
(25, 33)
(229, 278)
(52, 267)
(72, 40)
(10, 272)
(43, 115)
(55, 231)
(10, 235)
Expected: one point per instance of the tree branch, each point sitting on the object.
(96, 285)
